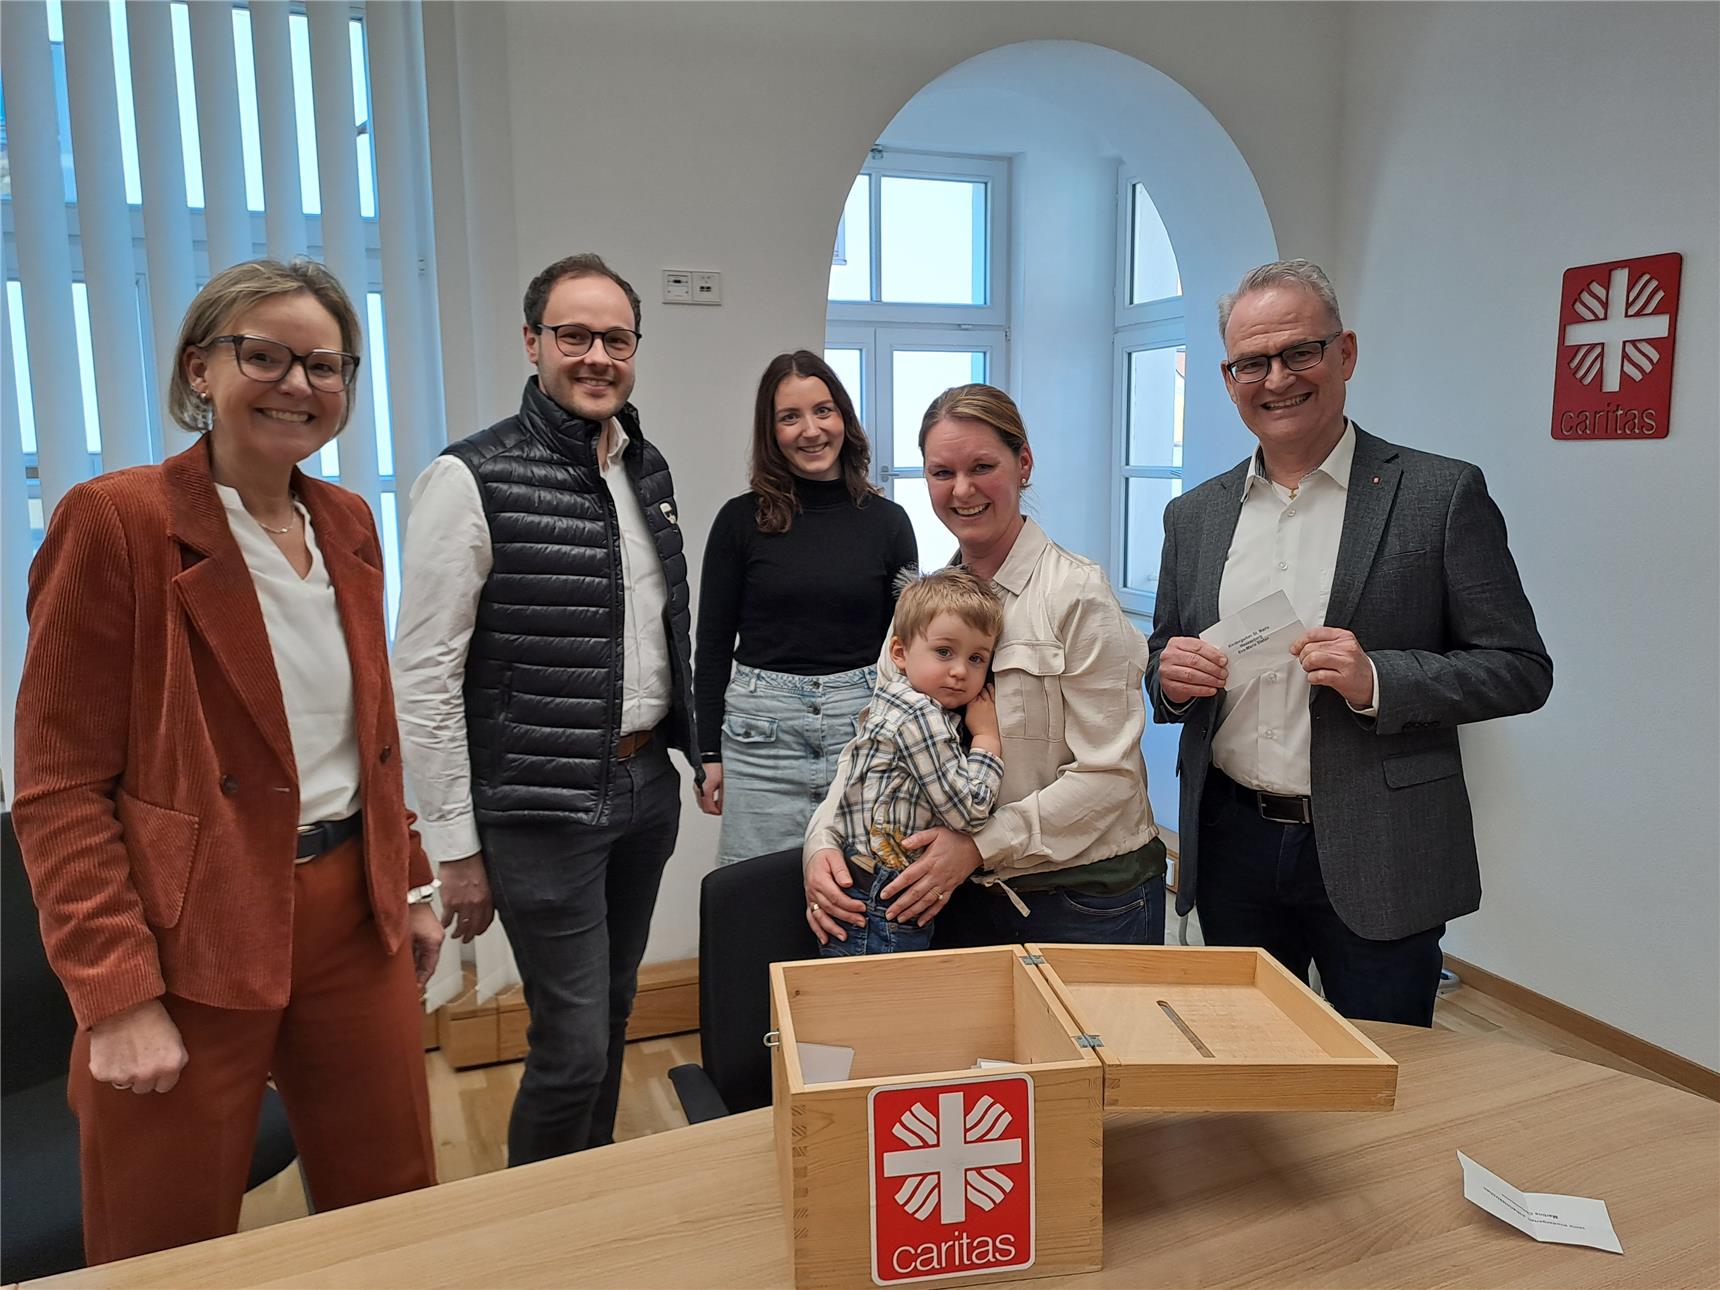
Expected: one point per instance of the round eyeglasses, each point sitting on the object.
(269, 361)
(1296, 358)
(574, 340)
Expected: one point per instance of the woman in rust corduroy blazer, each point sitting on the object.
(158, 798)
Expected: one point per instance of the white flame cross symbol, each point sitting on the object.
(953, 1159)
(1620, 325)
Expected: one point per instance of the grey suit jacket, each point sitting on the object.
(1425, 580)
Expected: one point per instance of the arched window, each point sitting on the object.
(919, 302)
(1151, 355)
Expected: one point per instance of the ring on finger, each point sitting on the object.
(813, 907)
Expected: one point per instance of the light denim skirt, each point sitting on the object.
(782, 736)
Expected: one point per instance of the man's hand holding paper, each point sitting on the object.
(1191, 669)
(1332, 656)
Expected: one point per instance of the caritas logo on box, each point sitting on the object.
(952, 1178)
(1617, 324)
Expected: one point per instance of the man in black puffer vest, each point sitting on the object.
(542, 674)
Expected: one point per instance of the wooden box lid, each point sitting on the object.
(1194, 1028)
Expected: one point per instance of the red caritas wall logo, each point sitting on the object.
(952, 1178)
(1617, 323)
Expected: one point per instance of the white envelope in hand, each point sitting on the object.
(1256, 639)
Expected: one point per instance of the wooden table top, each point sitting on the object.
(1326, 1199)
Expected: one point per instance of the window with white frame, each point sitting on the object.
(918, 302)
(1150, 369)
(187, 58)
(142, 147)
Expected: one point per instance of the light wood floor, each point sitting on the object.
(469, 1109)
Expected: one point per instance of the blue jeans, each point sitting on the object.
(879, 936)
(1260, 884)
(782, 735)
(576, 901)
(977, 916)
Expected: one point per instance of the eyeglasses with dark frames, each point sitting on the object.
(1296, 358)
(574, 340)
(269, 361)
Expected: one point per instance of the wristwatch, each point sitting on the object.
(422, 895)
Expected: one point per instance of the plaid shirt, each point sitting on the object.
(909, 772)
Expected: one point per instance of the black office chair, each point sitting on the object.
(751, 915)
(40, 1197)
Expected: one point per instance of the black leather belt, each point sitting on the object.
(1279, 808)
(326, 835)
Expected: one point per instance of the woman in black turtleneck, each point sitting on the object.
(803, 570)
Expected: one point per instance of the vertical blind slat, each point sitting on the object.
(14, 547)
(226, 216)
(408, 287)
(342, 225)
(283, 200)
(44, 250)
(104, 227)
(161, 165)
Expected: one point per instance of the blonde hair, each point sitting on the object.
(983, 403)
(948, 591)
(233, 291)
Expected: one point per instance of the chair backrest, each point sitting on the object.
(751, 915)
(36, 1022)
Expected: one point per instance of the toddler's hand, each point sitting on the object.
(982, 713)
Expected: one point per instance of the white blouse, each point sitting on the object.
(309, 645)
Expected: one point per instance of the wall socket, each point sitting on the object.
(689, 287)
(677, 287)
(707, 288)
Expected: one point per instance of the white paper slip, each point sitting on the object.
(1565, 1220)
(1257, 639)
(825, 1063)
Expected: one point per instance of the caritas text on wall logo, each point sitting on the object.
(1617, 325)
(952, 1178)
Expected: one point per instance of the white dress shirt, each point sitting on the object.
(445, 561)
(309, 647)
(1290, 544)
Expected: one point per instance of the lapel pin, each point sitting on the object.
(1376, 479)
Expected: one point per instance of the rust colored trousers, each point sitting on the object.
(166, 1169)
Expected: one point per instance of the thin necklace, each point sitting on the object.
(291, 525)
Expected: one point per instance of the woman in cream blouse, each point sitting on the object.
(1071, 849)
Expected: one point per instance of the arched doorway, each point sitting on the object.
(1057, 218)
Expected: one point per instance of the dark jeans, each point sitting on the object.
(576, 902)
(1260, 884)
(979, 915)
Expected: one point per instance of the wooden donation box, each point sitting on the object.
(967, 1138)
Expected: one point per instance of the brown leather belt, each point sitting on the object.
(630, 744)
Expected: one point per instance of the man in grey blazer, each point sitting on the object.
(1324, 812)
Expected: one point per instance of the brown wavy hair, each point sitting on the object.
(771, 477)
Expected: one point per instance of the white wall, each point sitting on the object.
(726, 137)
(1487, 148)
